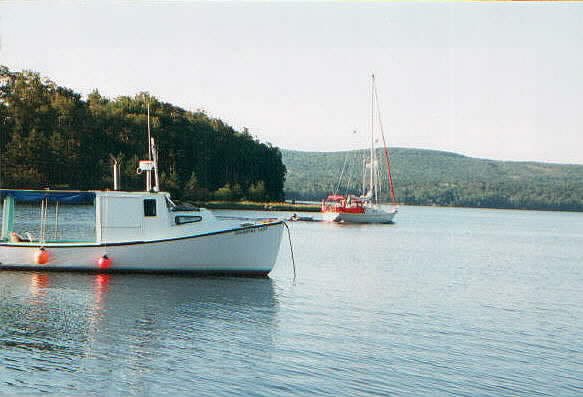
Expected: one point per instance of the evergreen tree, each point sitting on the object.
(50, 136)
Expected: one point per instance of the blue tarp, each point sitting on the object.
(52, 196)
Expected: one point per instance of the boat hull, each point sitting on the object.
(245, 251)
(371, 215)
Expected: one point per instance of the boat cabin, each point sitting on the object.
(119, 216)
(340, 203)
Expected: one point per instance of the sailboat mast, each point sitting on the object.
(364, 173)
(371, 136)
(372, 184)
(387, 156)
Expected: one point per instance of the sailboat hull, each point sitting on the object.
(370, 215)
(249, 251)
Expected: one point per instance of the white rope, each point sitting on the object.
(56, 234)
(43, 220)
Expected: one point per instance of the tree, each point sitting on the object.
(256, 191)
(169, 182)
(193, 191)
(224, 193)
(53, 136)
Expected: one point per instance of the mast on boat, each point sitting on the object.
(150, 165)
(371, 187)
(374, 177)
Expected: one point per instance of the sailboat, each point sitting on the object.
(366, 208)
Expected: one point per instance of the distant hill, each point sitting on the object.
(430, 177)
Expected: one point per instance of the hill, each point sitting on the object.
(429, 177)
(52, 137)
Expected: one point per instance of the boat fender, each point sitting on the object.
(104, 262)
(41, 257)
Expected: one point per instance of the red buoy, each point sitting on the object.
(41, 257)
(104, 262)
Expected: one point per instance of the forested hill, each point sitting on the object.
(428, 177)
(52, 136)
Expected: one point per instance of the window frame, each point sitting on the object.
(191, 219)
(150, 211)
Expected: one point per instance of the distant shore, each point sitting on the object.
(315, 207)
(259, 206)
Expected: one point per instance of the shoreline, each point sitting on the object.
(258, 206)
(299, 207)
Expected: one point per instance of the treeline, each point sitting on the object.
(50, 136)
(428, 177)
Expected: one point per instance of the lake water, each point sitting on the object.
(444, 302)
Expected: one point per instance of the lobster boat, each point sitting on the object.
(136, 231)
(133, 232)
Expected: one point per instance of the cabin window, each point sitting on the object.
(183, 219)
(149, 207)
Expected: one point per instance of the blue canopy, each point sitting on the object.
(62, 196)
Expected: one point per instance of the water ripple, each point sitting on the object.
(447, 304)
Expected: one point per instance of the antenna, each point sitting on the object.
(152, 163)
(155, 154)
(116, 172)
(149, 134)
(148, 165)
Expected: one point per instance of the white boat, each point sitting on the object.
(365, 208)
(142, 231)
(138, 231)
(369, 214)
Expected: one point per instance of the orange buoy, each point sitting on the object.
(41, 257)
(104, 262)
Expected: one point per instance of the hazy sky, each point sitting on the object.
(495, 80)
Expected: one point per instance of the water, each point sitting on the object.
(75, 222)
(445, 302)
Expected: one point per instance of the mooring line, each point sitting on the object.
(291, 248)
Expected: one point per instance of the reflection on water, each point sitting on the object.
(446, 302)
(60, 328)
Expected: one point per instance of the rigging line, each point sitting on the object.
(43, 220)
(46, 216)
(350, 184)
(56, 234)
(345, 172)
(378, 176)
(291, 248)
(346, 184)
(347, 167)
(341, 174)
(42, 212)
(40, 232)
(371, 187)
(363, 192)
(106, 210)
(387, 156)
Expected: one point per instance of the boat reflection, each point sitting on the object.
(39, 283)
(89, 319)
(101, 286)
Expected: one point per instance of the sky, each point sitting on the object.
(491, 80)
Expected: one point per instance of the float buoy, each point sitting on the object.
(41, 257)
(104, 262)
